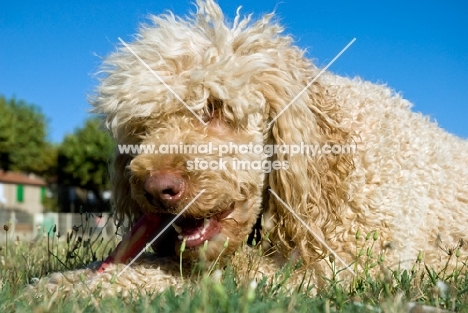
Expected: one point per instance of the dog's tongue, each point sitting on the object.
(134, 241)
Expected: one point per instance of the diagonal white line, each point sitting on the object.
(162, 81)
(160, 233)
(311, 82)
(317, 237)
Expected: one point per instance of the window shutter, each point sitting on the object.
(20, 193)
(43, 194)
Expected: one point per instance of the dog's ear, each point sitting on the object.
(312, 181)
(127, 211)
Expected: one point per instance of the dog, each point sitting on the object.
(252, 142)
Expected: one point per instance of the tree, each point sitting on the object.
(6, 134)
(83, 158)
(23, 144)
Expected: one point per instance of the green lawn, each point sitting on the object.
(419, 290)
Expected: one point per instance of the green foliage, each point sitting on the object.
(6, 130)
(419, 290)
(83, 158)
(23, 145)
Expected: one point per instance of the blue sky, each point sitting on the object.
(50, 49)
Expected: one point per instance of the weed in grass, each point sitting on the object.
(216, 262)
(182, 249)
(6, 228)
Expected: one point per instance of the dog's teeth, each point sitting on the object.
(178, 229)
(194, 236)
(180, 237)
(206, 222)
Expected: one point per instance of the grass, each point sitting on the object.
(22, 263)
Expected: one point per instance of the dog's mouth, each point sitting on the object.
(195, 231)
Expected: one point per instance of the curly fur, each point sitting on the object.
(408, 178)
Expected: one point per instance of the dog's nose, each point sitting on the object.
(164, 187)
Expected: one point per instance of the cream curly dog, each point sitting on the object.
(226, 108)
